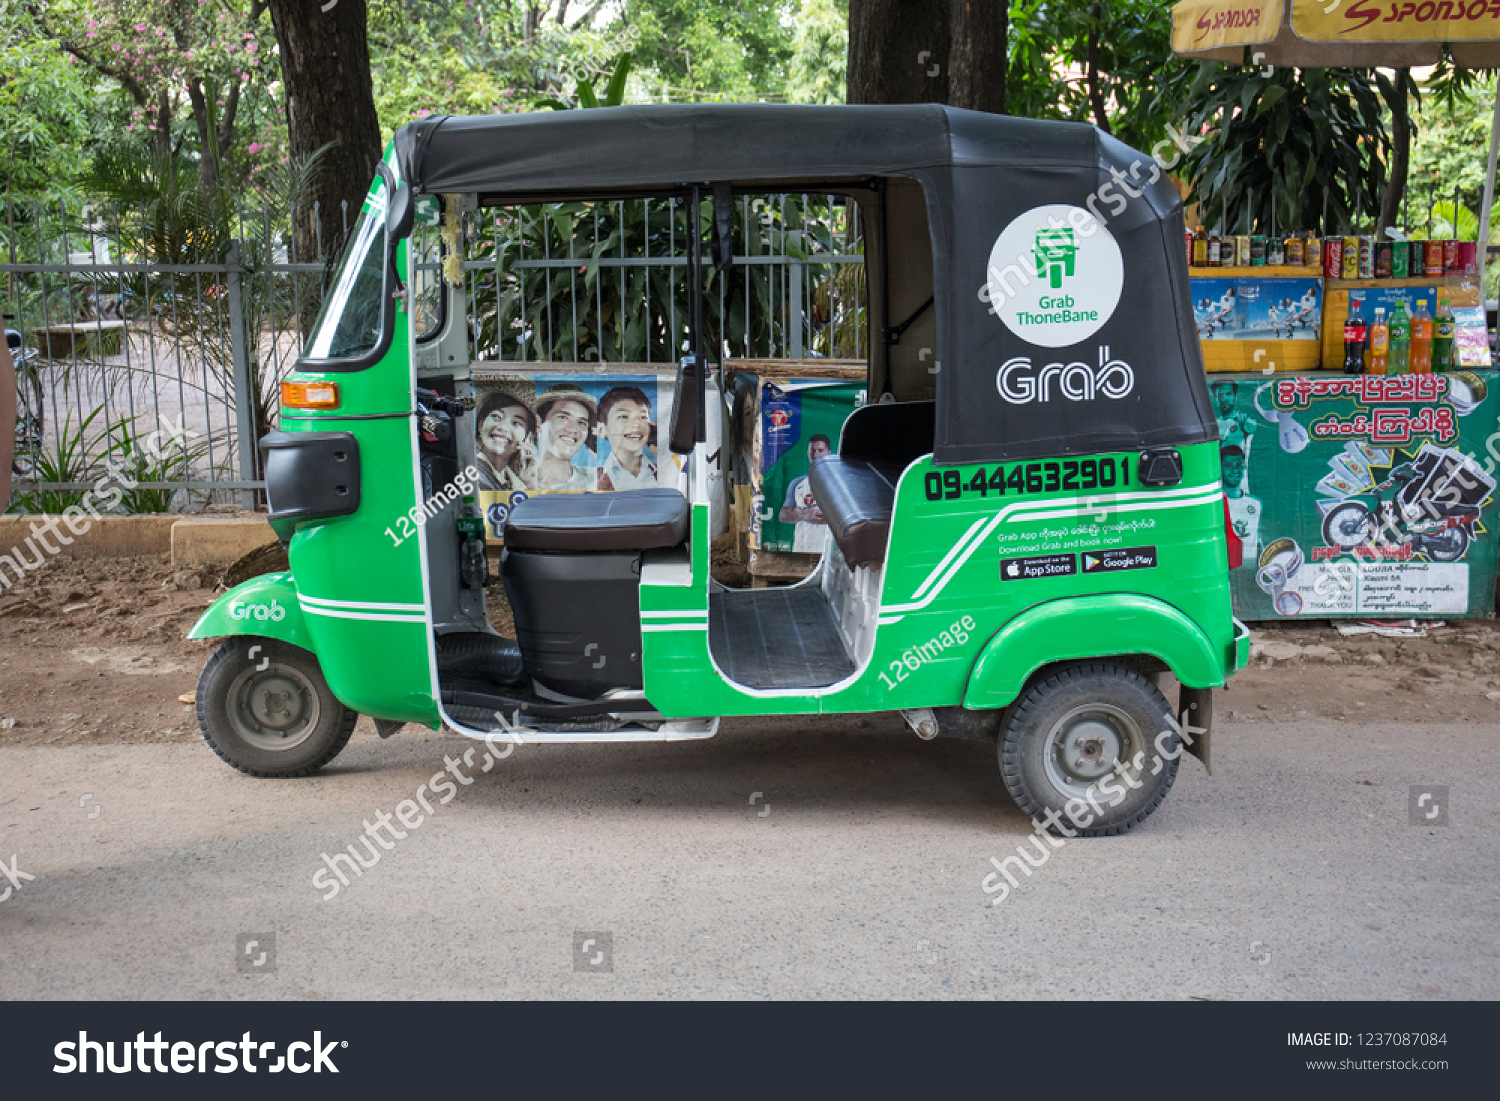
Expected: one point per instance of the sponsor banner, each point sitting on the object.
(570, 433)
(1258, 308)
(1397, 21)
(1361, 496)
(782, 424)
(1213, 24)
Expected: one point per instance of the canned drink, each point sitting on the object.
(1351, 257)
(1275, 251)
(1367, 257)
(1333, 258)
(1257, 250)
(1312, 255)
(1296, 251)
(1434, 265)
(1416, 266)
(1242, 250)
(1383, 260)
(1450, 256)
(1468, 258)
(1400, 254)
(1189, 235)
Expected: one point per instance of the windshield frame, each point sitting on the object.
(372, 222)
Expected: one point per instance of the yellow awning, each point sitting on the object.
(1352, 33)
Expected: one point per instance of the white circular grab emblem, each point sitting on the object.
(1055, 276)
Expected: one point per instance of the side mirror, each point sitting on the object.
(400, 213)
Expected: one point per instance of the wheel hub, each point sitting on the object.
(276, 702)
(274, 708)
(1088, 749)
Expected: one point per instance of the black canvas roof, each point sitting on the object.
(1091, 345)
(672, 144)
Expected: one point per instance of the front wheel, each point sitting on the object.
(1090, 749)
(1348, 524)
(264, 707)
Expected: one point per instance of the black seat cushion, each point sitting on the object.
(635, 519)
(857, 498)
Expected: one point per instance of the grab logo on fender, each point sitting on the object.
(273, 611)
(1020, 383)
(1055, 276)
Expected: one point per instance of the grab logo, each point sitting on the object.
(1055, 276)
(273, 611)
(1020, 383)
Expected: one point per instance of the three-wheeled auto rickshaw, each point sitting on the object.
(1026, 527)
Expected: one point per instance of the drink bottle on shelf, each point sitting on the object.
(1421, 340)
(1400, 338)
(1354, 339)
(1380, 343)
(1442, 338)
(1200, 248)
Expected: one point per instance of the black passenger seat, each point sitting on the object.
(857, 497)
(631, 520)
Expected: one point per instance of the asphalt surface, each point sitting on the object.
(1294, 872)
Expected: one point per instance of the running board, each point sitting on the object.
(513, 705)
(669, 730)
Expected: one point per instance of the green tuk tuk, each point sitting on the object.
(1026, 527)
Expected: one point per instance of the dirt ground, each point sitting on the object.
(92, 652)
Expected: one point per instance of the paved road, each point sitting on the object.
(1293, 872)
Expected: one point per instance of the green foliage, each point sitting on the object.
(614, 91)
(67, 460)
(1450, 147)
(722, 50)
(144, 457)
(1300, 138)
(817, 72)
(1139, 83)
(633, 314)
(44, 110)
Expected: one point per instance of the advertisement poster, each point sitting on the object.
(1361, 496)
(796, 420)
(569, 433)
(1258, 309)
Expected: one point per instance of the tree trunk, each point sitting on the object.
(899, 51)
(330, 100)
(1395, 187)
(980, 31)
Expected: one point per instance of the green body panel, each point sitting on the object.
(942, 574)
(1093, 626)
(362, 593)
(265, 606)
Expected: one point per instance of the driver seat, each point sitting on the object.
(592, 523)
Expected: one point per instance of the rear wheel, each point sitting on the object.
(1084, 746)
(264, 707)
(1449, 545)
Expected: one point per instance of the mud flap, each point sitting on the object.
(1195, 710)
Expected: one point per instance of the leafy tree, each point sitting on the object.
(820, 46)
(1449, 151)
(1304, 140)
(44, 110)
(726, 49)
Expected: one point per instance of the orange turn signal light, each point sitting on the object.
(310, 395)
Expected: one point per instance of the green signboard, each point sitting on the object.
(1361, 496)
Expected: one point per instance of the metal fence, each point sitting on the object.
(134, 325)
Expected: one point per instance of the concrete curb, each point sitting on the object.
(189, 540)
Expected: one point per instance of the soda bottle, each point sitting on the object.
(1200, 248)
(1442, 339)
(473, 568)
(1400, 338)
(1354, 339)
(1421, 340)
(1380, 343)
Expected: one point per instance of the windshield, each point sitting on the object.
(349, 324)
